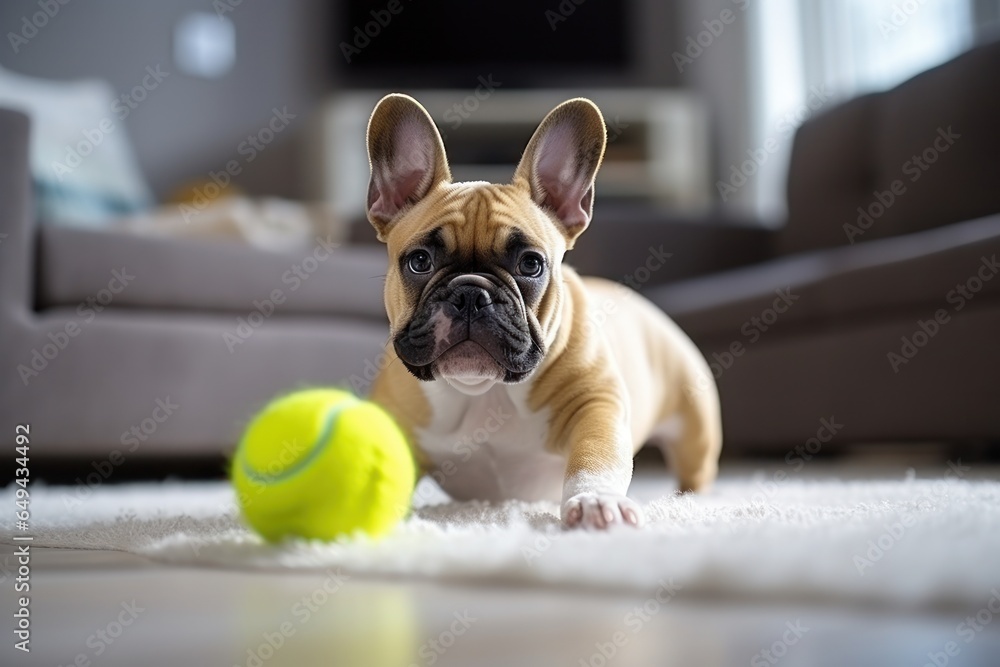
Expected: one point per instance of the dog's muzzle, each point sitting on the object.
(472, 324)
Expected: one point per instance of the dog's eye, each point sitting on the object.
(420, 261)
(531, 265)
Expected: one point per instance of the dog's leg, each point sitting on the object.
(599, 469)
(693, 452)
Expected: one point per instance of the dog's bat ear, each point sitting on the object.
(561, 162)
(407, 159)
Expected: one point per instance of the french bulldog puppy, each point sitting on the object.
(500, 371)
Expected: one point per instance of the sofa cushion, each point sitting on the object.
(912, 276)
(80, 264)
(82, 163)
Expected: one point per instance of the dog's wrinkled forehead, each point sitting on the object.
(476, 225)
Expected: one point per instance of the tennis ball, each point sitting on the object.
(322, 464)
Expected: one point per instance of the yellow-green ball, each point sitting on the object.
(322, 464)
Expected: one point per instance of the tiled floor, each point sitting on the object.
(104, 608)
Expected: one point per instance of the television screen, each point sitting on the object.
(447, 42)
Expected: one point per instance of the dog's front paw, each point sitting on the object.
(599, 511)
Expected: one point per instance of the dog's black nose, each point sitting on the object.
(470, 299)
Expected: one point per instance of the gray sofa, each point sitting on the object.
(858, 295)
(120, 342)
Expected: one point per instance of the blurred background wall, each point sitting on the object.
(196, 124)
(285, 57)
(750, 74)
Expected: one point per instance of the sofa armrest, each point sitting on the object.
(16, 224)
(624, 243)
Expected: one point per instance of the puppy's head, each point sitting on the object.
(474, 288)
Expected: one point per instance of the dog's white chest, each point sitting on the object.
(490, 447)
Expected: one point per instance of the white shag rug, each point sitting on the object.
(905, 541)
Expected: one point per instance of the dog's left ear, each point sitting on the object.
(407, 159)
(561, 162)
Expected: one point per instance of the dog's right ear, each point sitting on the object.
(407, 159)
